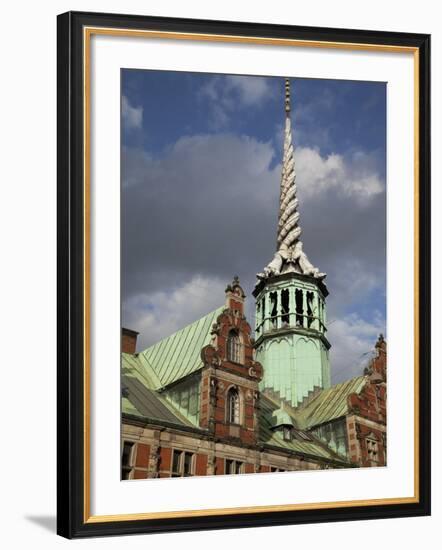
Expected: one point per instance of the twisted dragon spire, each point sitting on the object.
(289, 256)
(288, 229)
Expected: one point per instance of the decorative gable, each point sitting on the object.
(230, 376)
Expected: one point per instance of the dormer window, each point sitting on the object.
(233, 412)
(234, 347)
(282, 424)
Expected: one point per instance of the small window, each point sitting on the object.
(274, 469)
(176, 463)
(287, 433)
(234, 466)
(187, 464)
(372, 450)
(234, 347)
(233, 412)
(182, 463)
(127, 460)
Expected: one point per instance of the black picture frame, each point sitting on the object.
(72, 521)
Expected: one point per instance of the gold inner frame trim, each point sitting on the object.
(88, 32)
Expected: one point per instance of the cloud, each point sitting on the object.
(132, 116)
(353, 281)
(207, 207)
(353, 343)
(195, 210)
(354, 176)
(162, 313)
(229, 93)
(251, 90)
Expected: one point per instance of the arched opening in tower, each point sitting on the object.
(285, 307)
(310, 318)
(299, 307)
(274, 309)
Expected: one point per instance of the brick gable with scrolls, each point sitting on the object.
(222, 373)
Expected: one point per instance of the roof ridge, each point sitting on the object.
(133, 361)
(179, 354)
(329, 403)
(220, 309)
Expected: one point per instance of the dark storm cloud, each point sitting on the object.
(208, 207)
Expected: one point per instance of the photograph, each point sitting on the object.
(253, 274)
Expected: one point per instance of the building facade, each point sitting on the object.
(210, 418)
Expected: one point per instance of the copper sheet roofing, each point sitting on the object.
(173, 357)
(329, 404)
(141, 401)
(301, 442)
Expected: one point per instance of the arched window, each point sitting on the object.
(233, 406)
(234, 347)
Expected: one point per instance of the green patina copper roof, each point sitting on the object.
(128, 408)
(329, 404)
(138, 400)
(268, 435)
(281, 417)
(173, 357)
(131, 365)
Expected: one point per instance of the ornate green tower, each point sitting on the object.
(290, 331)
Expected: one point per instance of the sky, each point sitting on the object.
(201, 164)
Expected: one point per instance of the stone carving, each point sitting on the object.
(289, 256)
(210, 356)
(256, 371)
(213, 390)
(211, 464)
(154, 458)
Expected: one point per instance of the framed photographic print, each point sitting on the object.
(243, 273)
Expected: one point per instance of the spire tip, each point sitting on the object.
(287, 95)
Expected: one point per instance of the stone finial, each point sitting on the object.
(381, 344)
(235, 287)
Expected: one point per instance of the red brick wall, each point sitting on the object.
(370, 403)
(363, 434)
(367, 419)
(245, 432)
(219, 466)
(368, 412)
(165, 459)
(248, 373)
(128, 340)
(142, 458)
(201, 465)
(236, 304)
